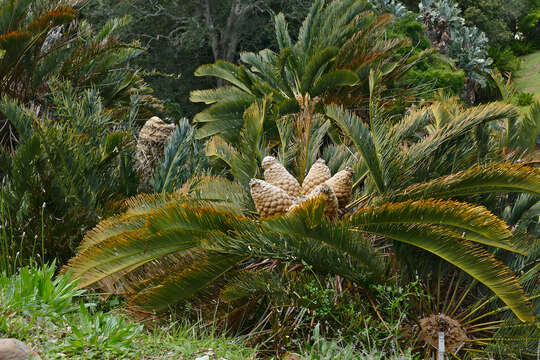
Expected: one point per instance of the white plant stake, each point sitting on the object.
(441, 346)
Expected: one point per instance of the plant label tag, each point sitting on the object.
(441, 346)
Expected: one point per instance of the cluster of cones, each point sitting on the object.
(280, 193)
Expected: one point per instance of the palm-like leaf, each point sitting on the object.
(322, 62)
(223, 238)
(497, 177)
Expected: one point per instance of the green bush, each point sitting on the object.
(70, 167)
(323, 349)
(530, 26)
(504, 59)
(436, 74)
(35, 291)
(522, 47)
(101, 336)
(525, 99)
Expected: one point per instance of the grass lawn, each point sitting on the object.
(528, 77)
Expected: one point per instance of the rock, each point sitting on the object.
(13, 349)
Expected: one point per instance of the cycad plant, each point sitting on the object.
(43, 40)
(165, 249)
(53, 183)
(338, 43)
(474, 322)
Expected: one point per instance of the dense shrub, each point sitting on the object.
(530, 25)
(69, 168)
(504, 59)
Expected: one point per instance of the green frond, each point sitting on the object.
(226, 71)
(307, 222)
(224, 93)
(360, 135)
(220, 190)
(334, 79)
(282, 32)
(467, 256)
(202, 217)
(506, 87)
(406, 127)
(316, 64)
(223, 118)
(181, 285)
(463, 123)
(474, 223)
(479, 179)
(128, 250)
(219, 148)
(111, 27)
(183, 158)
(307, 31)
(250, 284)
(527, 129)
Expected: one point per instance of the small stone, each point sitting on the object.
(13, 349)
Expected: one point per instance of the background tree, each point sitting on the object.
(181, 35)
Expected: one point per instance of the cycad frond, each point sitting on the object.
(226, 71)
(211, 96)
(479, 179)
(282, 33)
(181, 285)
(460, 125)
(467, 256)
(183, 158)
(474, 223)
(527, 129)
(361, 136)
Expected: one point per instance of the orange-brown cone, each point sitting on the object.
(330, 200)
(318, 174)
(277, 175)
(342, 183)
(152, 139)
(269, 199)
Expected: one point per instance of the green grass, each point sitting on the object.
(527, 78)
(61, 322)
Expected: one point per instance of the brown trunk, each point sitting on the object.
(470, 91)
(224, 43)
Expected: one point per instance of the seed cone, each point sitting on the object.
(318, 174)
(342, 183)
(150, 145)
(277, 175)
(269, 199)
(454, 335)
(330, 200)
